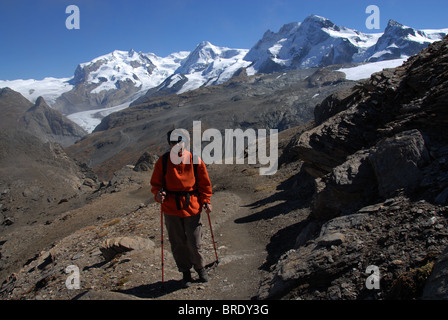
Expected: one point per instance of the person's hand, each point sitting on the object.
(161, 196)
(207, 207)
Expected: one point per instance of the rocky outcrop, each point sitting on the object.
(392, 164)
(390, 134)
(39, 119)
(398, 236)
(50, 125)
(325, 77)
(146, 162)
(378, 156)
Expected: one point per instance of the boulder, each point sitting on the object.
(111, 247)
(348, 187)
(146, 162)
(397, 162)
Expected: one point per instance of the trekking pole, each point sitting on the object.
(213, 238)
(161, 242)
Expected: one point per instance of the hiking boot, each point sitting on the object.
(186, 280)
(203, 276)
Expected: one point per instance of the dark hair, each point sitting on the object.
(168, 136)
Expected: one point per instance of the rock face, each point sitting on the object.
(39, 119)
(400, 237)
(406, 151)
(378, 156)
(389, 133)
(50, 125)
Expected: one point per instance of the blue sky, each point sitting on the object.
(35, 43)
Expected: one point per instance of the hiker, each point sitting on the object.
(184, 190)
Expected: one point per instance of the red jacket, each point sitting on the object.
(180, 177)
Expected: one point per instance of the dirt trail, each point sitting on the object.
(240, 255)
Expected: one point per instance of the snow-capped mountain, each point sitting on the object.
(318, 42)
(113, 81)
(205, 65)
(106, 81)
(116, 78)
(120, 77)
(314, 42)
(144, 70)
(401, 41)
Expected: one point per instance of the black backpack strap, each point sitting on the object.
(164, 168)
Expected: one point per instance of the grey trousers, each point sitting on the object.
(185, 236)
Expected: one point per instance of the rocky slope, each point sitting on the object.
(378, 156)
(38, 119)
(36, 175)
(48, 124)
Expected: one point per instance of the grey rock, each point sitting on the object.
(397, 162)
(331, 239)
(111, 247)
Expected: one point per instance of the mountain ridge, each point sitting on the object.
(122, 77)
(331, 44)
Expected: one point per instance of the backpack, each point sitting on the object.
(178, 194)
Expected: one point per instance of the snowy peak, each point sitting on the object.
(315, 41)
(318, 42)
(206, 65)
(143, 70)
(114, 67)
(206, 54)
(314, 24)
(115, 79)
(401, 41)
